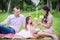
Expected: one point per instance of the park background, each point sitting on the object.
(29, 8)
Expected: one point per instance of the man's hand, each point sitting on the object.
(2, 23)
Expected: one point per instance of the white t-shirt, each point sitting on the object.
(15, 22)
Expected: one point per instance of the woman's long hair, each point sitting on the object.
(47, 13)
(27, 19)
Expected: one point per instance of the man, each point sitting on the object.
(14, 21)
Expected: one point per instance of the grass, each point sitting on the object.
(56, 24)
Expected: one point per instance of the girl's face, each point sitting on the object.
(30, 20)
(44, 12)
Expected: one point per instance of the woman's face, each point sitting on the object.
(30, 20)
(44, 12)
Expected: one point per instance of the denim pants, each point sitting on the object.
(6, 30)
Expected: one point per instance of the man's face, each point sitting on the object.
(16, 12)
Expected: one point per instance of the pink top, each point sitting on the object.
(50, 21)
(29, 27)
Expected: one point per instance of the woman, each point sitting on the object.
(47, 22)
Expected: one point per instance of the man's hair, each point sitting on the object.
(17, 7)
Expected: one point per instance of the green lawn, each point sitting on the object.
(56, 24)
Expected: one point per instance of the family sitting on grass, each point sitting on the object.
(31, 30)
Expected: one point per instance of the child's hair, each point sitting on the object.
(27, 19)
(45, 17)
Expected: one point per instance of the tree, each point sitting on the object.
(49, 4)
(58, 6)
(9, 4)
(3, 5)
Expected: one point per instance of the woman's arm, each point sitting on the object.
(6, 21)
(47, 25)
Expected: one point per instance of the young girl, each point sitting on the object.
(26, 33)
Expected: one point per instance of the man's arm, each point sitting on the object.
(2, 23)
(24, 22)
(6, 21)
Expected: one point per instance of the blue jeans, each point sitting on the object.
(6, 30)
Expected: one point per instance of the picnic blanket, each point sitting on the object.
(10, 36)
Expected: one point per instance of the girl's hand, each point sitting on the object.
(40, 23)
(35, 24)
(33, 31)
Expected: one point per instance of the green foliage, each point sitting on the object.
(25, 5)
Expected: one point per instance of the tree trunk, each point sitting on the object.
(49, 4)
(9, 3)
(58, 6)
